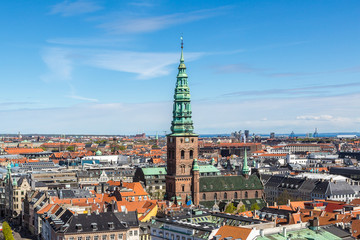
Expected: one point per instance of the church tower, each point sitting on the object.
(182, 143)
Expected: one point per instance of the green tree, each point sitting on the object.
(230, 208)
(255, 206)
(71, 148)
(122, 148)
(242, 209)
(7, 231)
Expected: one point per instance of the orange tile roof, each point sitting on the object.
(234, 232)
(23, 150)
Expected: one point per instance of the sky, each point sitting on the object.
(109, 67)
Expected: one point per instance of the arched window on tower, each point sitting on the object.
(225, 195)
(256, 194)
(246, 195)
(182, 154)
(191, 154)
(204, 196)
(236, 195)
(215, 195)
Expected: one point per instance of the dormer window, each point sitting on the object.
(111, 225)
(78, 227)
(94, 226)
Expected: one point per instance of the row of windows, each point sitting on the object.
(120, 236)
(246, 195)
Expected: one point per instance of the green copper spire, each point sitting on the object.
(195, 165)
(245, 169)
(182, 123)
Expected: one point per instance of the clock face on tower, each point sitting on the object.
(187, 140)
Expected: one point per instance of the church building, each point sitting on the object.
(183, 180)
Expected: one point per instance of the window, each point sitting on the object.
(256, 194)
(71, 238)
(225, 195)
(183, 188)
(88, 238)
(112, 237)
(79, 238)
(215, 195)
(236, 195)
(246, 195)
(104, 237)
(191, 154)
(204, 196)
(182, 154)
(120, 236)
(135, 232)
(130, 233)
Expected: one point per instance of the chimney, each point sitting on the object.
(275, 204)
(336, 216)
(267, 204)
(284, 231)
(311, 213)
(288, 202)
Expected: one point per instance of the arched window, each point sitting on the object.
(236, 195)
(182, 154)
(215, 195)
(256, 194)
(225, 195)
(246, 195)
(204, 196)
(191, 154)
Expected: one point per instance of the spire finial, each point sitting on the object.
(182, 41)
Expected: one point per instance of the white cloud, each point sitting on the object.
(145, 65)
(59, 63)
(321, 117)
(209, 117)
(129, 24)
(72, 8)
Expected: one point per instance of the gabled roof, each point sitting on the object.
(229, 183)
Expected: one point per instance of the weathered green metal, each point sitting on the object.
(195, 165)
(182, 123)
(245, 169)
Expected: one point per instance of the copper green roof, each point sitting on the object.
(229, 183)
(154, 171)
(303, 234)
(208, 169)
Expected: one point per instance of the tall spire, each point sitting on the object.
(182, 123)
(245, 169)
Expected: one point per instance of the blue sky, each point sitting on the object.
(109, 67)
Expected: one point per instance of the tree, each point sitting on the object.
(230, 208)
(122, 148)
(7, 231)
(71, 148)
(254, 206)
(242, 209)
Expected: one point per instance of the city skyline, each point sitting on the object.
(92, 67)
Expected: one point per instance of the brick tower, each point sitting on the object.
(182, 143)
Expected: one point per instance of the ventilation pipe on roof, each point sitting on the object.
(284, 231)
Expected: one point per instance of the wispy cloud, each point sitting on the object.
(237, 68)
(315, 90)
(59, 62)
(145, 65)
(317, 118)
(130, 24)
(74, 95)
(72, 8)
